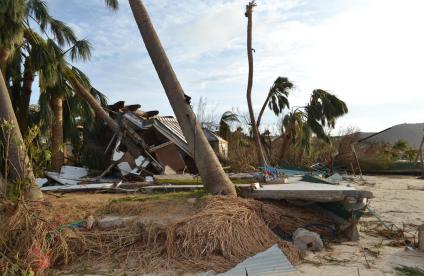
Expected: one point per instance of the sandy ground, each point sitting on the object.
(395, 204)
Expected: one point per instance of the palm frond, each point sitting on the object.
(227, 118)
(278, 95)
(318, 130)
(62, 33)
(38, 10)
(326, 107)
(112, 4)
(81, 50)
(99, 96)
(12, 14)
(230, 117)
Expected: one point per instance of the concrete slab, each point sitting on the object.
(307, 191)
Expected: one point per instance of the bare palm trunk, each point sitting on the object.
(57, 133)
(258, 122)
(259, 150)
(4, 57)
(21, 168)
(211, 171)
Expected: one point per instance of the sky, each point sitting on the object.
(370, 53)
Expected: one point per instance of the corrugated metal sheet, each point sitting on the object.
(170, 128)
(270, 262)
(212, 137)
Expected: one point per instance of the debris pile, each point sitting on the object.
(219, 234)
(150, 144)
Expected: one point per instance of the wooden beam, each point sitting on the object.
(152, 149)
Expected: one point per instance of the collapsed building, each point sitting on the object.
(149, 144)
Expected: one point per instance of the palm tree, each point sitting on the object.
(23, 52)
(277, 97)
(255, 132)
(15, 21)
(211, 171)
(60, 106)
(322, 111)
(12, 14)
(59, 90)
(224, 124)
(17, 156)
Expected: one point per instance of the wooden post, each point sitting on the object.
(421, 237)
(357, 161)
(352, 168)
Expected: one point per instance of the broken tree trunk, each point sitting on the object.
(211, 171)
(20, 165)
(259, 150)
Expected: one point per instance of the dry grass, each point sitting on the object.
(224, 232)
(398, 236)
(31, 243)
(214, 233)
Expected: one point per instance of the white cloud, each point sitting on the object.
(369, 52)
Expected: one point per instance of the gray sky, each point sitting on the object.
(368, 52)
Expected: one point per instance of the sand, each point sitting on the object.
(395, 204)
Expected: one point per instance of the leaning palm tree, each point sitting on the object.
(21, 169)
(322, 111)
(277, 99)
(211, 171)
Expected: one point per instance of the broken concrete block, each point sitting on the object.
(108, 222)
(306, 240)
